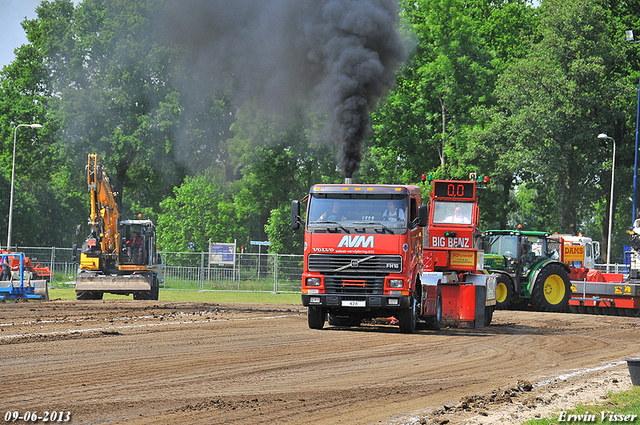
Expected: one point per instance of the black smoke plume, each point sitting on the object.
(336, 55)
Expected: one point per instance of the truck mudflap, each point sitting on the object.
(116, 283)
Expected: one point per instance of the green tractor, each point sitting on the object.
(530, 269)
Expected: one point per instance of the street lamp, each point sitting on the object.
(613, 169)
(13, 171)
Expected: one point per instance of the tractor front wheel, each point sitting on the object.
(504, 292)
(551, 290)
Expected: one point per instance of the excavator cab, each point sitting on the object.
(138, 243)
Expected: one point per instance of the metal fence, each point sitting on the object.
(192, 271)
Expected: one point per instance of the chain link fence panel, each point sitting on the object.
(192, 271)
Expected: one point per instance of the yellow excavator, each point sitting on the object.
(118, 256)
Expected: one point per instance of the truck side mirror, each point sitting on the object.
(295, 215)
(423, 215)
(78, 229)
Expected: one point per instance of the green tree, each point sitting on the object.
(283, 240)
(199, 211)
(556, 100)
(276, 165)
(46, 201)
(461, 46)
(109, 71)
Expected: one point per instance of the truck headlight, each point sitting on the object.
(396, 283)
(313, 281)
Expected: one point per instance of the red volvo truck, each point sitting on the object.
(363, 256)
(454, 256)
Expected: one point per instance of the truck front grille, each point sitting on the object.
(347, 284)
(355, 274)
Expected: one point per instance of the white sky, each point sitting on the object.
(12, 12)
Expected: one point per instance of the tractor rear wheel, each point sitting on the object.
(504, 292)
(551, 290)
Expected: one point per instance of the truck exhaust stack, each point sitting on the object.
(347, 180)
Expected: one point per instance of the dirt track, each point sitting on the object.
(147, 362)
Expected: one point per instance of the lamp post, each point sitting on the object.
(613, 169)
(13, 171)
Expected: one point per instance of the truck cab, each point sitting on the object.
(362, 253)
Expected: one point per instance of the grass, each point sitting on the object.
(623, 405)
(197, 296)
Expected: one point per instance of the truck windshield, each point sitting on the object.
(452, 212)
(369, 211)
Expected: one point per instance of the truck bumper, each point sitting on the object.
(357, 303)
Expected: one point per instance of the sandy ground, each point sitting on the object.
(150, 362)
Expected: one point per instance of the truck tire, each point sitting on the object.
(488, 314)
(408, 318)
(504, 292)
(435, 322)
(551, 290)
(315, 317)
(632, 312)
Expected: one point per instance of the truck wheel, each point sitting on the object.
(632, 312)
(315, 317)
(488, 314)
(504, 292)
(435, 322)
(408, 318)
(552, 289)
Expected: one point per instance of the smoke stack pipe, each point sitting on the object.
(347, 180)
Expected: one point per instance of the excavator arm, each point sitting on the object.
(103, 240)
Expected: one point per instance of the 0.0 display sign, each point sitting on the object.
(457, 190)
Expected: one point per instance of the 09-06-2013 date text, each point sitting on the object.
(46, 416)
